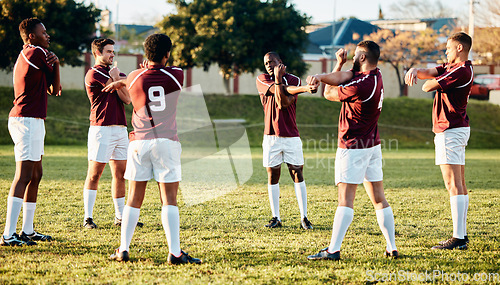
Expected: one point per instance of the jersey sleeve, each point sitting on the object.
(263, 84)
(95, 79)
(293, 80)
(441, 69)
(348, 92)
(38, 59)
(454, 78)
(178, 74)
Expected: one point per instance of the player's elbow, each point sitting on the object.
(426, 88)
(331, 94)
(126, 100)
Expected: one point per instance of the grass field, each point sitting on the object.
(228, 233)
(407, 120)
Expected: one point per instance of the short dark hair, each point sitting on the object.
(27, 26)
(462, 38)
(372, 51)
(274, 55)
(157, 46)
(99, 44)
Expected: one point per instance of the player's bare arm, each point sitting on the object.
(419, 73)
(341, 56)
(331, 93)
(332, 80)
(431, 85)
(335, 78)
(294, 90)
(115, 85)
(282, 98)
(55, 88)
(114, 74)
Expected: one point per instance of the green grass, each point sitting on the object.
(403, 120)
(228, 233)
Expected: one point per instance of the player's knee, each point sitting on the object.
(93, 177)
(36, 176)
(119, 175)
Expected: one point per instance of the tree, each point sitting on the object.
(235, 34)
(404, 49)
(486, 13)
(418, 9)
(486, 45)
(486, 40)
(71, 26)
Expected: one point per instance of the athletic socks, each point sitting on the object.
(341, 222)
(119, 204)
(385, 219)
(301, 193)
(465, 213)
(28, 216)
(13, 209)
(129, 221)
(457, 204)
(170, 221)
(274, 199)
(89, 201)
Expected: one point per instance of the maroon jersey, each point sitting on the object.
(32, 76)
(361, 99)
(277, 122)
(450, 102)
(154, 92)
(106, 108)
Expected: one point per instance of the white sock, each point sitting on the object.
(119, 204)
(457, 204)
(170, 221)
(28, 216)
(466, 208)
(89, 201)
(13, 209)
(301, 194)
(129, 221)
(274, 199)
(385, 219)
(341, 222)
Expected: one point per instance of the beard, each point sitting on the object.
(356, 66)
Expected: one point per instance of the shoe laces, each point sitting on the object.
(307, 222)
(274, 219)
(449, 242)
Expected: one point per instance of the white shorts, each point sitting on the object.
(28, 135)
(450, 146)
(277, 150)
(159, 158)
(352, 166)
(107, 142)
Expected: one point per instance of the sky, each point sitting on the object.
(148, 12)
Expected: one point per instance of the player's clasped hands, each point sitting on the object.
(52, 58)
(114, 72)
(411, 77)
(280, 70)
(114, 86)
(341, 56)
(313, 80)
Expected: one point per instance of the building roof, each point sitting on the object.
(349, 31)
(416, 24)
